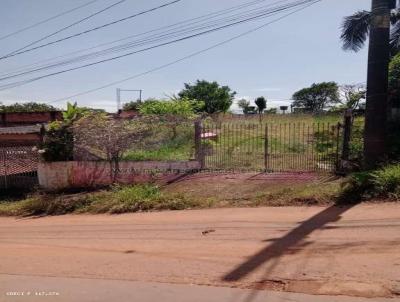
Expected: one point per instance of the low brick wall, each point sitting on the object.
(90, 174)
(28, 118)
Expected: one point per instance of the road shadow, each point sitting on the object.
(281, 246)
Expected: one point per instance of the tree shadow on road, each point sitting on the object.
(271, 254)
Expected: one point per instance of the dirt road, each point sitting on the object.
(315, 250)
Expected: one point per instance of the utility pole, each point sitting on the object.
(377, 83)
(118, 92)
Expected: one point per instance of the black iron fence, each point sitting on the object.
(18, 167)
(275, 147)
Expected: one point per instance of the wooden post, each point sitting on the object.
(199, 154)
(348, 116)
(266, 155)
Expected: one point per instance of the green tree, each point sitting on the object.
(317, 97)
(58, 144)
(261, 103)
(173, 112)
(27, 107)
(216, 98)
(356, 28)
(244, 105)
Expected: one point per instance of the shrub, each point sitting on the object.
(382, 183)
(387, 181)
(184, 108)
(58, 143)
(27, 107)
(131, 106)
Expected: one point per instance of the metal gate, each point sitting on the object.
(18, 167)
(286, 147)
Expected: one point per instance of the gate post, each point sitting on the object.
(199, 154)
(266, 155)
(348, 116)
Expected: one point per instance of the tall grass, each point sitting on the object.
(119, 199)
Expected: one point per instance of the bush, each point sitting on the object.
(131, 106)
(27, 107)
(183, 108)
(387, 181)
(382, 183)
(58, 143)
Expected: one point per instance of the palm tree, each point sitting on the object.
(355, 30)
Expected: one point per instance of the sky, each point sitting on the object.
(273, 62)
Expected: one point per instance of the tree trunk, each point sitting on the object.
(377, 84)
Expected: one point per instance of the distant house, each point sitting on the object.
(21, 135)
(24, 128)
(9, 119)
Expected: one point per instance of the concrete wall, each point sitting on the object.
(89, 174)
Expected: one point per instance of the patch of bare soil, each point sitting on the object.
(255, 188)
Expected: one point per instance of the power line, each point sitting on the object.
(254, 13)
(185, 57)
(66, 27)
(90, 30)
(16, 84)
(203, 17)
(47, 20)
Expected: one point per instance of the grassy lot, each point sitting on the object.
(306, 140)
(166, 143)
(295, 142)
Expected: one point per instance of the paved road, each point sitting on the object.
(312, 250)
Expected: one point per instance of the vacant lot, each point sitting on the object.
(351, 251)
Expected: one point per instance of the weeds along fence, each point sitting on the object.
(272, 147)
(18, 167)
(169, 141)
